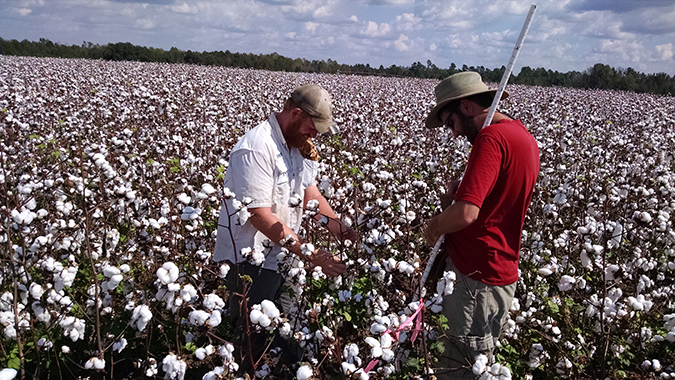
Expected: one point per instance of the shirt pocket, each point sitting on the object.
(281, 185)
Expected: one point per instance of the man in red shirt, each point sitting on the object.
(484, 224)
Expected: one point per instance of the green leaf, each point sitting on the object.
(347, 317)
(14, 363)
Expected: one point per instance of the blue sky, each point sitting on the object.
(565, 35)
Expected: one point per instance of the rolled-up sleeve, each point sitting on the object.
(253, 177)
(309, 172)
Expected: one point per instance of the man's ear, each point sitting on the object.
(465, 106)
(296, 114)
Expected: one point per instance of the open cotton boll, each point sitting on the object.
(120, 345)
(140, 317)
(8, 374)
(95, 363)
(198, 317)
(174, 367)
(215, 319)
(168, 273)
(480, 365)
(200, 353)
(270, 309)
(255, 315)
(213, 301)
(304, 372)
(208, 189)
(372, 342)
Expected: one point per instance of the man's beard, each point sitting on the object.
(304, 143)
(469, 127)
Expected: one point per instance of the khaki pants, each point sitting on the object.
(476, 313)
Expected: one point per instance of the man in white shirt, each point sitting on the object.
(272, 169)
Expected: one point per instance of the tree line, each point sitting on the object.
(599, 76)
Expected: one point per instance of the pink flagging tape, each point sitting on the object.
(416, 315)
(407, 321)
(418, 326)
(371, 365)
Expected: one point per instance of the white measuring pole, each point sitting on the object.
(509, 67)
(488, 120)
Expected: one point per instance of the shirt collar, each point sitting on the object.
(276, 131)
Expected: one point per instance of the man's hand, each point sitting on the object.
(349, 234)
(431, 234)
(330, 265)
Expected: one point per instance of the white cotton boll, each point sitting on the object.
(184, 198)
(36, 291)
(480, 365)
(114, 281)
(635, 304)
(645, 217)
(208, 189)
(224, 269)
(154, 223)
(377, 328)
(545, 271)
(198, 317)
(270, 309)
(140, 317)
(174, 368)
(348, 368)
(200, 353)
(388, 355)
(566, 283)
(8, 374)
(213, 301)
(119, 346)
(372, 342)
(656, 364)
(304, 372)
(376, 352)
(110, 271)
(264, 321)
(386, 340)
(216, 318)
(255, 315)
(168, 273)
(188, 293)
(285, 330)
(610, 271)
(65, 349)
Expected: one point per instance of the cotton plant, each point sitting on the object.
(601, 216)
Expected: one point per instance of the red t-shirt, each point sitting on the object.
(500, 176)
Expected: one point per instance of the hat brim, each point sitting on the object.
(325, 126)
(433, 119)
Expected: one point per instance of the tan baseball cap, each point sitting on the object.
(457, 86)
(318, 104)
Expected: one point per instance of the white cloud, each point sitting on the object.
(400, 44)
(354, 18)
(311, 26)
(432, 47)
(290, 35)
(145, 23)
(407, 22)
(322, 11)
(666, 51)
(24, 11)
(373, 30)
(182, 8)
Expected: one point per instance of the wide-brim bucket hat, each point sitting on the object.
(457, 86)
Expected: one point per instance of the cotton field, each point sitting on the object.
(111, 184)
